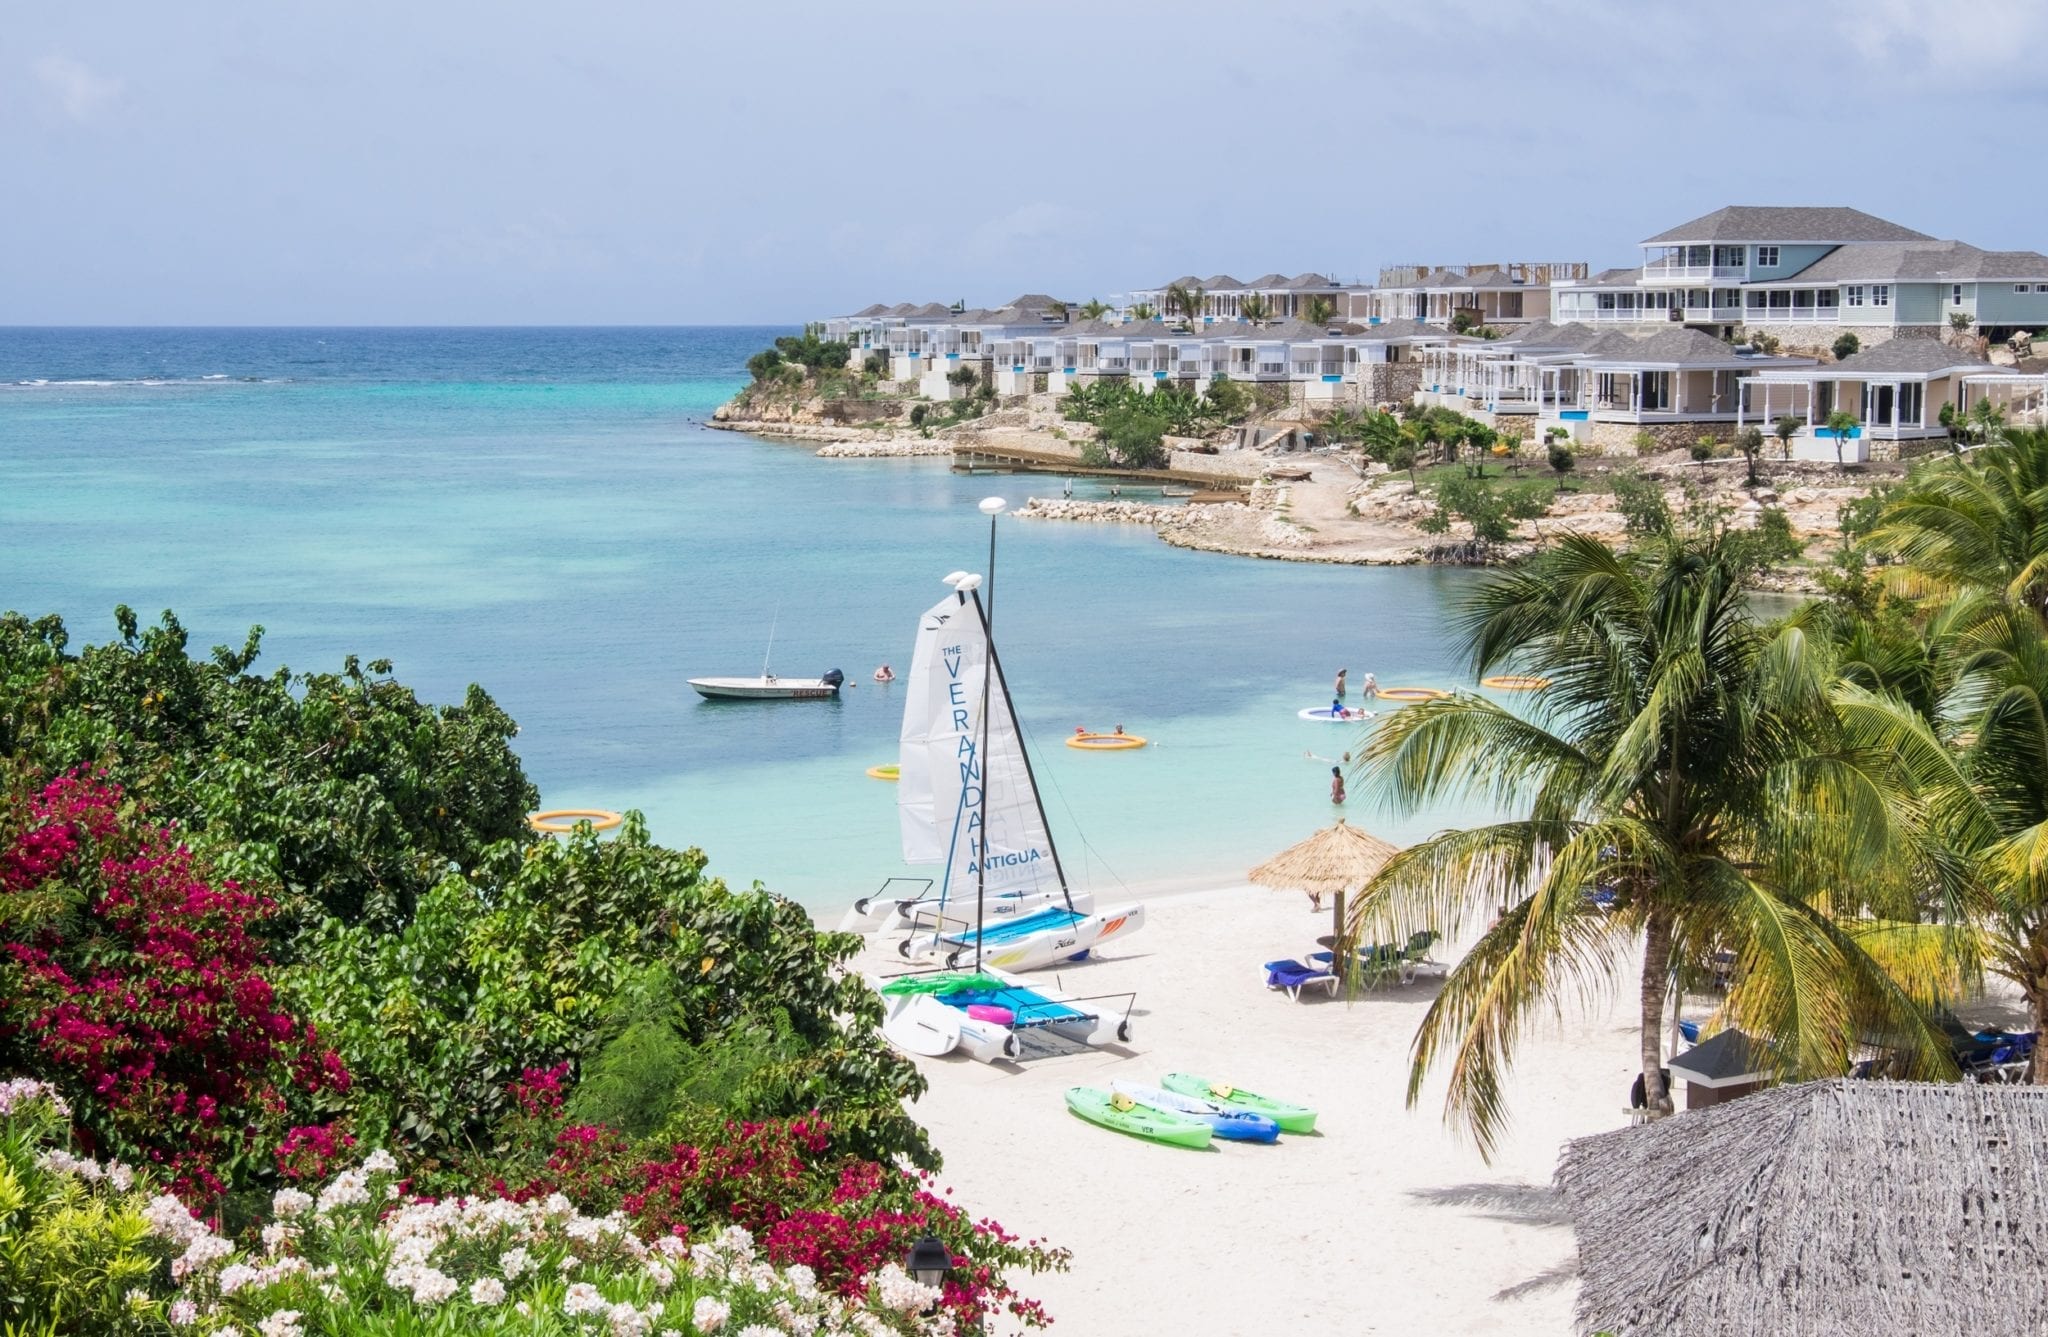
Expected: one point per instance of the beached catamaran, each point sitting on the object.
(967, 801)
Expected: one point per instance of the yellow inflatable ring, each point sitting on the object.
(890, 772)
(1104, 742)
(561, 821)
(1515, 682)
(1412, 693)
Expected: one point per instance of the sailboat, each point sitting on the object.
(967, 801)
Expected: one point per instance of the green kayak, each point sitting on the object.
(1291, 1118)
(1099, 1106)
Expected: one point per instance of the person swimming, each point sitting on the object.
(885, 674)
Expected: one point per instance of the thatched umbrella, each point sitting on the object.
(1830, 1209)
(1334, 861)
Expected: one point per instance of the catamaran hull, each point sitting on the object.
(926, 1025)
(1030, 951)
(868, 915)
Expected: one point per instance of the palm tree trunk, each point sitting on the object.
(2037, 1008)
(1656, 984)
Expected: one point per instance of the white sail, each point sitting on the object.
(997, 843)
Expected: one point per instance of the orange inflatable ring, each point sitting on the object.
(890, 772)
(562, 821)
(1515, 682)
(1104, 742)
(1412, 694)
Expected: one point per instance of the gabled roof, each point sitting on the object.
(1312, 280)
(1728, 1058)
(1184, 281)
(1220, 282)
(1406, 329)
(931, 311)
(1676, 347)
(1793, 223)
(1610, 278)
(1924, 262)
(1829, 1209)
(1911, 357)
(1032, 299)
(875, 310)
(1268, 281)
(901, 309)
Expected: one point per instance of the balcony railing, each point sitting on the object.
(1713, 313)
(1790, 315)
(1272, 369)
(1677, 273)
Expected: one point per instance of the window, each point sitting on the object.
(1880, 294)
(1852, 295)
(1825, 299)
(2022, 287)
(1767, 257)
(1955, 295)
(1728, 257)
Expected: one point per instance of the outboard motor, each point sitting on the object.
(833, 677)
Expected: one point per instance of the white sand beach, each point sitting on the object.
(1383, 1222)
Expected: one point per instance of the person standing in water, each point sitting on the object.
(1337, 784)
(1340, 682)
(1368, 689)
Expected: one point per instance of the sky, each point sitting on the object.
(664, 162)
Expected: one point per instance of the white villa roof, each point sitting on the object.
(1608, 278)
(1220, 283)
(1794, 223)
(1670, 348)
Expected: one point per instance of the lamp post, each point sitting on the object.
(928, 1262)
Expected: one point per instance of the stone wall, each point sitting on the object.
(1388, 383)
(1619, 438)
(1821, 338)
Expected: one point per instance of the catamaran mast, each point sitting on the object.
(995, 667)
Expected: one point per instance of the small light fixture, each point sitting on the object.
(929, 1260)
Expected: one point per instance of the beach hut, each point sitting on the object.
(1718, 1070)
(1828, 1209)
(1335, 861)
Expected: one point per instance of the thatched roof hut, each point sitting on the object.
(1822, 1208)
(1334, 860)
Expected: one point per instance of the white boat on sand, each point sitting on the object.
(986, 1014)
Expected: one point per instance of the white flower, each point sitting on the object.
(570, 1262)
(898, 1290)
(121, 1176)
(663, 1278)
(431, 1286)
(58, 1161)
(172, 1220)
(183, 1313)
(582, 1229)
(512, 1262)
(284, 1323)
(626, 1321)
(672, 1246)
(487, 1291)
(803, 1281)
(345, 1189)
(557, 1205)
(412, 1249)
(287, 1203)
(380, 1162)
(276, 1235)
(137, 1297)
(235, 1276)
(523, 1309)
(709, 1313)
(582, 1298)
(200, 1253)
(20, 1092)
(761, 1330)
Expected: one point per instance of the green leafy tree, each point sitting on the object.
(1144, 311)
(1644, 511)
(1254, 308)
(1984, 422)
(1133, 437)
(1094, 309)
(1187, 302)
(765, 365)
(1381, 434)
(1785, 428)
(1401, 455)
(344, 790)
(1846, 345)
(1979, 522)
(1320, 311)
(1561, 462)
(1840, 424)
(1229, 402)
(1750, 441)
(1682, 767)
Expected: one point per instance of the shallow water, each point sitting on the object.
(542, 511)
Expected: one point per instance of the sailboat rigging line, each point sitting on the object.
(1029, 741)
(770, 654)
(994, 668)
(988, 669)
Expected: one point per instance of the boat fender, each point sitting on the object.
(1221, 1090)
(1121, 1102)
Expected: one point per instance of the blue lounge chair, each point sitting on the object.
(1291, 977)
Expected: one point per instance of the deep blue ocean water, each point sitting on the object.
(543, 512)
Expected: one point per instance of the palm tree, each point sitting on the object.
(1975, 522)
(1094, 309)
(1984, 422)
(1683, 759)
(1143, 311)
(1840, 423)
(1340, 425)
(1320, 311)
(1381, 433)
(1187, 301)
(1255, 308)
(1976, 763)
(1057, 308)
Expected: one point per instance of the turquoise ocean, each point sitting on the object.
(544, 512)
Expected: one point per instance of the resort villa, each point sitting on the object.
(1683, 345)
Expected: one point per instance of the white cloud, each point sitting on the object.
(1961, 41)
(77, 90)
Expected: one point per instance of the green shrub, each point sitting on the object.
(1846, 345)
(1133, 437)
(1645, 443)
(1644, 512)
